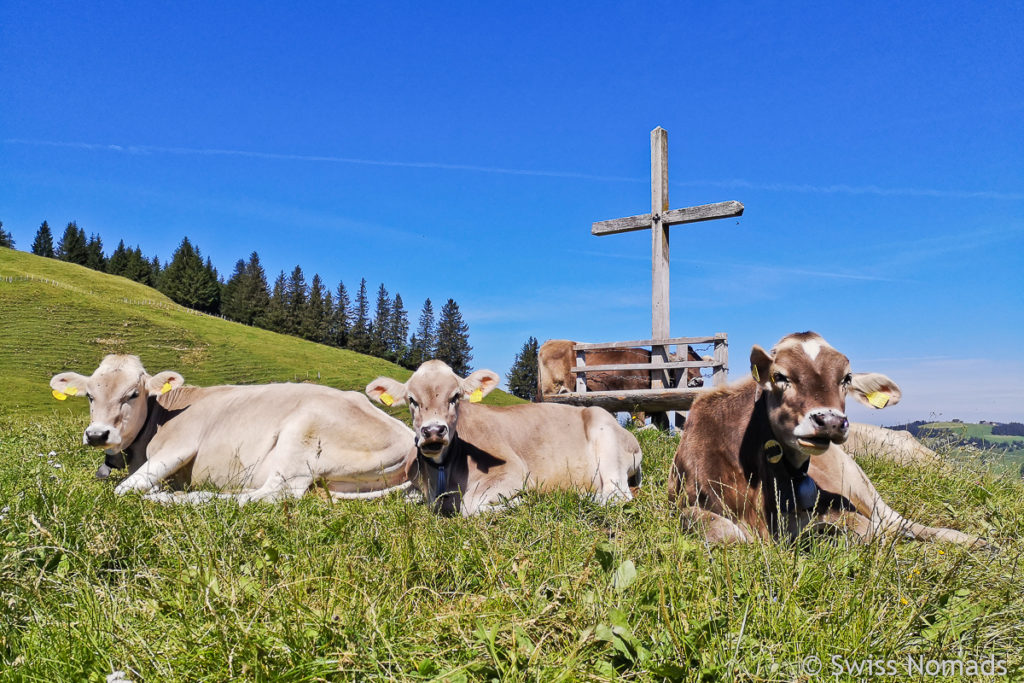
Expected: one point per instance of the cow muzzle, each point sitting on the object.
(102, 436)
(432, 439)
(821, 428)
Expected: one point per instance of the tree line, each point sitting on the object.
(312, 310)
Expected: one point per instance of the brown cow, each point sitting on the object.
(557, 357)
(471, 458)
(762, 458)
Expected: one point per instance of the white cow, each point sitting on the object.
(260, 442)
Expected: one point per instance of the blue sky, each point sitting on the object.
(463, 150)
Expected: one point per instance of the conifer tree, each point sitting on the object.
(359, 337)
(296, 292)
(277, 312)
(245, 297)
(139, 269)
(254, 294)
(156, 269)
(43, 244)
(317, 313)
(6, 238)
(190, 282)
(411, 354)
(231, 305)
(341, 318)
(118, 262)
(423, 344)
(522, 376)
(94, 257)
(398, 331)
(381, 324)
(453, 339)
(72, 247)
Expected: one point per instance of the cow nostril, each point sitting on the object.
(97, 437)
(442, 430)
(818, 419)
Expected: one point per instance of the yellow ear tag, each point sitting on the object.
(476, 396)
(753, 371)
(165, 388)
(773, 451)
(386, 399)
(878, 399)
(60, 396)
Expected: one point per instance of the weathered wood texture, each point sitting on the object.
(691, 214)
(671, 365)
(659, 252)
(672, 341)
(581, 380)
(658, 398)
(719, 376)
(647, 400)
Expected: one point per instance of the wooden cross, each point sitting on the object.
(658, 221)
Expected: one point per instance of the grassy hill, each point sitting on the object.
(59, 316)
(1006, 451)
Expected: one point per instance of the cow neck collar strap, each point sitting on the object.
(442, 470)
(802, 491)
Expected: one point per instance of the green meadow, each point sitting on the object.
(554, 589)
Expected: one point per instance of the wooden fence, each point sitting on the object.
(665, 398)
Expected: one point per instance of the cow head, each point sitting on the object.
(805, 383)
(117, 391)
(434, 394)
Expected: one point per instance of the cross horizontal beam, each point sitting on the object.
(691, 214)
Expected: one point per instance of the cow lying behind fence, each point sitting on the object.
(557, 357)
(265, 442)
(762, 457)
(471, 458)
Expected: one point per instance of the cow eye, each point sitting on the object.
(453, 400)
(413, 404)
(779, 378)
(133, 395)
(89, 396)
(848, 380)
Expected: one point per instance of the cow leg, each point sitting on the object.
(844, 520)
(660, 420)
(715, 528)
(153, 471)
(616, 456)
(491, 496)
(844, 474)
(279, 486)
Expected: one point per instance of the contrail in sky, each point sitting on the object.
(840, 188)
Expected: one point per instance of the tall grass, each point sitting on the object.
(555, 589)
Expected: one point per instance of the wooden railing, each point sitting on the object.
(666, 397)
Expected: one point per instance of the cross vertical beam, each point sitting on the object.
(659, 251)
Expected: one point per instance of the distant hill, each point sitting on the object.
(992, 437)
(57, 316)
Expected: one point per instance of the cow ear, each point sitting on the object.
(68, 384)
(162, 382)
(875, 390)
(388, 391)
(479, 384)
(760, 367)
